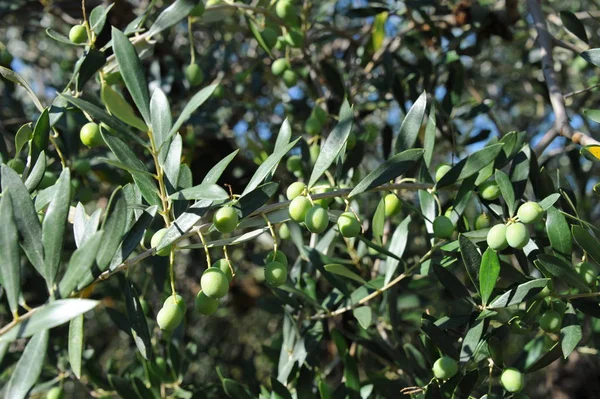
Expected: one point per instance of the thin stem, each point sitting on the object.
(172, 268)
(160, 177)
(191, 40)
(272, 230)
(228, 261)
(208, 261)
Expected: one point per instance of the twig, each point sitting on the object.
(576, 92)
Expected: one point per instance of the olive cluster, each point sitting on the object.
(515, 233)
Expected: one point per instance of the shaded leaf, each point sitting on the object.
(133, 237)
(76, 344)
(171, 15)
(471, 257)
(192, 105)
(364, 315)
(488, 274)
(573, 25)
(570, 332)
(37, 173)
(40, 137)
(587, 241)
(207, 191)
(520, 294)
(113, 227)
(29, 367)
(137, 320)
(119, 107)
(79, 270)
(559, 232)
(213, 175)
(10, 254)
(409, 130)
(507, 190)
(397, 246)
(471, 341)
(471, 165)
(267, 167)
(342, 270)
(563, 271)
(451, 282)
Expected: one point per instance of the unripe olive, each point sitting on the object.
(156, 239)
(284, 232)
(205, 305)
(276, 257)
(323, 187)
(443, 227)
(275, 273)
(218, 93)
(226, 219)
(294, 190)
(512, 380)
(194, 74)
(314, 150)
(294, 38)
(82, 167)
(517, 235)
(489, 190)
(294, 164)
(198, 10)
(78, 34)
(171, 314)
(445, 367)
(55, 393)
(5, 57)
(298, 208)
(441, 170)
(482, 222)
(588, 271)
(281, 44)
(496, 237)
(224, 266)
(279, 66)
(90, 135)
(290, 78)
(214, 283)
(316, 219)
(285, 10)
(530, 212)
(348, 225)
(270, 36)
(550, 321)
(17, 164)
(392, 204)
(312, 125)
(48, 180)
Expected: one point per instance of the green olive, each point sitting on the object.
(275, 273)
(224, 266)
(316, 219)
(194, 74)
(214, 283)
(550, 321)
(156, 239)
(90, 135)
(351, 143)
(78, 34)
(290, 78)
(171, 314)
(294, 190)
(294, 164)
(279, 66)
(55, 393)
(226, 219)
(588, 271)
(443, 227)
(393, 205)
(322, 187)
(530, 212)
(284, 231)
(489, 190)
(312, 125)
(482, 222)
(299, 207)
(512, 380)
(496, 237)
(205, 305)
(286, 10)
(445, 367)
(276, 257)
(348, 225)
(517, 235)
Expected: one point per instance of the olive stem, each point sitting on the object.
(208, 261)
(191, 40)
(172, 268)
(228, 261)
(272, 230)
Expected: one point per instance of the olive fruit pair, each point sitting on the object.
(226, 219)
(78, 34)
(514, 235)
(90, 135)
(171, 314)
(281, 67)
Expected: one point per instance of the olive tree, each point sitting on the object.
(449, 254)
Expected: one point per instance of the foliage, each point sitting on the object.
(140, 259)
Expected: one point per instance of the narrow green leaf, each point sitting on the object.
(280, 391)
(471, 341)
(185, 222)
(559, 232)
(207, 191)
(409, 130)
(79, 270)
(440, 339)
(429, 139)
(10, 253)
(587, 242)
(257, 35)
(284, 136)
(172, 163)
(171, 15)
(137, 320)
(573, 25)
(37, 173)
(29, 367)
(40, 138)
(113, 227)
(519, 294)
(267, 166)
(378, 221)
(25, 216)
(49, 316)
(251, 235)
(549, 201)
(76, 344)
(471, 165)
(134, 236)
(570, 332)
(132, 72)
(192, 105)
(160, 111)
(14, 77)
(59, 37)
(561, 270)
(488, 274)
(145, 183)
(547, 357)
(213, 175)
(451, 282)
(389, 170)
(54, 225)
(378, 248)
(364, 315)
(592, 56)
(333, 144)
(92, 62)
(507, 190)
(119, 107)
(22, 136)
(101, 115)
(397, 246)
(342, 270)
(471, 257)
